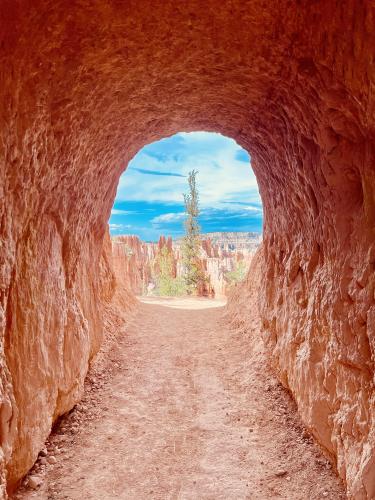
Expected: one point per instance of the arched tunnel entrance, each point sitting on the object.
(148, 223)
(84, 88)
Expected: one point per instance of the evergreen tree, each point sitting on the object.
(192, 241)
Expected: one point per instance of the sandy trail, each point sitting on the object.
(185, 408)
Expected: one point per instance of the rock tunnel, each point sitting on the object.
(85, 85)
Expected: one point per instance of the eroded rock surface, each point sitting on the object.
(85, 86)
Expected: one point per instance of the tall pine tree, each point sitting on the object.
(192, 241)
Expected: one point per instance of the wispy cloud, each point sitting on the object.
(217, 214)
(241, 203)
(156, 172)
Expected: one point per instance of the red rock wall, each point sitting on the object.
(84, 86)
(132, 262)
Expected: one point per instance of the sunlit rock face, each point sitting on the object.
(85, 86)
(133, 262)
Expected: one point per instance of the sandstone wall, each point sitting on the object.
(63, 328)
(83, 87)
(132, 262)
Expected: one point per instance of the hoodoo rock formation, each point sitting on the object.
(84, 86)
(135, 261)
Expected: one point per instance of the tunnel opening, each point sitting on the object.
(148, 219)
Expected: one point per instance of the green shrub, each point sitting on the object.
(237, 275)
(171, 287)
(166, 283)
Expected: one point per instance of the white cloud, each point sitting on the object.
(116, 211)
(253, 209)
(117, 227)
(170, 217)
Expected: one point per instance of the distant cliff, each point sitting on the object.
(235, 241)
(232, 241)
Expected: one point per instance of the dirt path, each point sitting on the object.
(185, 409)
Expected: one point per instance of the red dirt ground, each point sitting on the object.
(184, 406)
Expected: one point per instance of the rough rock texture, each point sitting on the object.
(132, 261)
(49, 364)
(84, 86)
(116, 293)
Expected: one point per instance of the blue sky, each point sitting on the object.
(149, 200)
